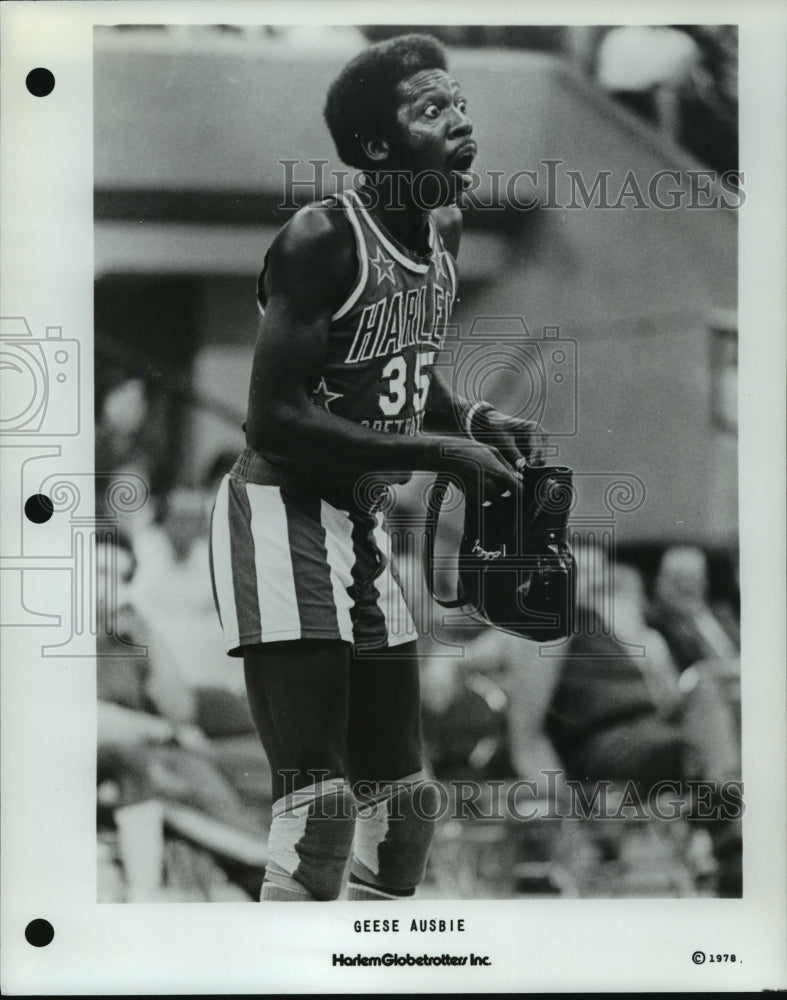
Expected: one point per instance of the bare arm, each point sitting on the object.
(119, 724)
(311, 265)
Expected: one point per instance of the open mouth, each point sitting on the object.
(462, 161)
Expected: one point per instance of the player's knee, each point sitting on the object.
(310, 838)
(394, 833)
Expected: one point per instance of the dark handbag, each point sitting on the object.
(516, 570)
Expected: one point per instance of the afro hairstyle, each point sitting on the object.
(362, 100)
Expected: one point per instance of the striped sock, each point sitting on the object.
(281, 892)
(309, 840)
(359, 890)
(392, 836)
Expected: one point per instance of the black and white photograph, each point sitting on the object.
(393, 498)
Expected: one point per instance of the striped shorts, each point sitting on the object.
(286, 565)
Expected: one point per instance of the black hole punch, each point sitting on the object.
(39, 933)
(38, 508)
(40, 81)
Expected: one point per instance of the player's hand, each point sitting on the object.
(519, 441)
(478, 465)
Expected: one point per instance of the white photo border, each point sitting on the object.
(48, 706)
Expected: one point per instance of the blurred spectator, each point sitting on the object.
(643, 67)
(119, 427)
(467, 722)
(123, 446)
(614, 708)
(150, 754)
(174, 579)
(465, 709)
(173, 589)
(133, 683)
(630, 626)
(708, 98)
(683, 78)
(693, 630)
(618, 708)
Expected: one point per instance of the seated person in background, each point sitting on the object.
(464, 706)
(680, 611)
(173, 557)
(614, 708)
(149, 751)
(173, 589)
(121, 422)
(466, 735)
(138, 696)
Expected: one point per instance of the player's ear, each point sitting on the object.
(376, 149)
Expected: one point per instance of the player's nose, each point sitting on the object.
(461, 124)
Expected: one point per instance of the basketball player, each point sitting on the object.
(355, 295)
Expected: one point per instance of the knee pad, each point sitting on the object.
(393, 832)
(309, 842)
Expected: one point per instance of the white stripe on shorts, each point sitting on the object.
(341, 558)
(398, 622)
(222, 565)
(273, 563)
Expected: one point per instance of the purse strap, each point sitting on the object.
(434, 505)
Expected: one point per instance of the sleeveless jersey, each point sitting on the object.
(386, 335)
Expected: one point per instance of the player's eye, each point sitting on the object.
(462, 105)
(431, 111)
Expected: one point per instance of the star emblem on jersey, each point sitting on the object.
(439, 265)
(322, 396)
(384, 267)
